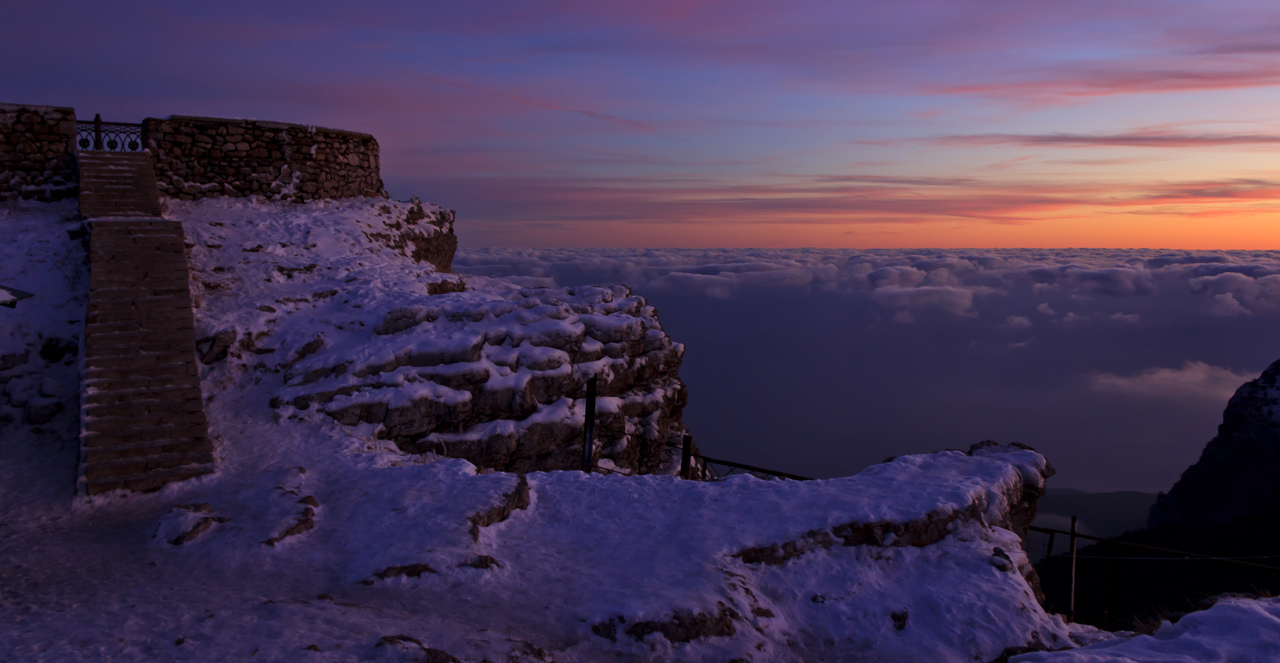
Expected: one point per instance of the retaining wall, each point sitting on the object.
(37, 152)
(199, 157)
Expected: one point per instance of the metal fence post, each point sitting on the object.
(589, 428)
(97, 131)
(1071, 610)
(686, 457)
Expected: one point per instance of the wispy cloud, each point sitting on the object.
(1156, 139)
(1050, 86)
(1195, 381)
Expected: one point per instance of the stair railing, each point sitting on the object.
(110, 136)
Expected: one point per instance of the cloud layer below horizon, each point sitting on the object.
(1116, 364)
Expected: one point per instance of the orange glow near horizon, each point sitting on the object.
(670, 123)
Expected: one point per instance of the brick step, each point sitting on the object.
(128, 259)
(140, 384)
(134, 207)
(125, 274)
(107, 155)
(157, 325)
(144, 464)
(141, 224)
(109, 339)
(104, 356)
(126, 169)
(117, 201)
(147, 481)
(120, 348)
(177, 297)
(143, 409)
(102, 228)
(140, 360)
(174, 263)
(131, 260)
(121, 212)
(108, 197)
(129, 181)
(128, 264)
(150, 234)
(123, 425)
(158, 234)
(139, 315)
(139, 304)
(143, 449)
(118, 191)
(185, 431)
(132, 291)
(121, 240)
(163, 371)
(145, 282)
(123, 196)
(143, 395)
(117, 242)
(147, 247)
(141, 277)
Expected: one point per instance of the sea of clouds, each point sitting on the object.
(1116, 363)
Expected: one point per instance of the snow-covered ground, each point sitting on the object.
(1234, 630)
(317, 540)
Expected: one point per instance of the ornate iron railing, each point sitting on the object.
(110, 136)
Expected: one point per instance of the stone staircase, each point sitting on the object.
(117, 184)
(142, 413)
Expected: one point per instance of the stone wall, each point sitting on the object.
(200, 157)
(37, 152)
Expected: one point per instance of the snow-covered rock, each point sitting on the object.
(40, 345)
(1234, 630)
(349, 307)
(309, 538)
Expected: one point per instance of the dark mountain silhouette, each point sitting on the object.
(1237, 474)
(1225, 505)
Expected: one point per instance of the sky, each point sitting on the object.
(563, 123)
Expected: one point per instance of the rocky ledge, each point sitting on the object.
(1236, 474)
(352, 304)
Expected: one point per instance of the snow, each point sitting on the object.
(590, 556)
(1234, 630)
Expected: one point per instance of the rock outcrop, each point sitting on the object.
(352, 303)
(500, 380)
(1236, 474)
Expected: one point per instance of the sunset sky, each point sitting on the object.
(916, 123)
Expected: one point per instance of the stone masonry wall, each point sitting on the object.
(37, 152)
(199, 157)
